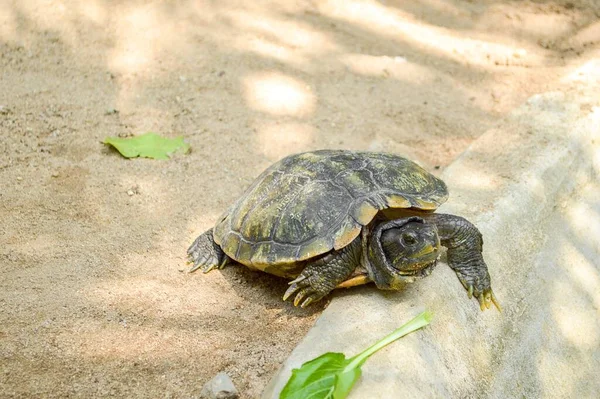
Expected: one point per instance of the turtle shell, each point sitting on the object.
(307, 204)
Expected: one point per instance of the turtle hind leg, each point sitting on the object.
(322, 275)
(206, 254)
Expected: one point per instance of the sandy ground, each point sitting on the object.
(94, 300)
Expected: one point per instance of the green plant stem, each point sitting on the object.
(420, 321)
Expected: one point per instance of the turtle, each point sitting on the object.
(330, 219)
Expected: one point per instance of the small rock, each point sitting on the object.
(133, 190)
(520, 53)
(220, 387)
(19, 178)
(111, 111)
(4, 110)
(545, 43)
(54, 174)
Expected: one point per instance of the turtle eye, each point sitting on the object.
(408, 239)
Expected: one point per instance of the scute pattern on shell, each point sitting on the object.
(309, 203)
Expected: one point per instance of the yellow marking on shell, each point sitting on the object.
(271, 254)
(223, 226)
(397, 201)
(317, 247)
(220, 230)
(365, 213)
(282, 266)
(244, 253)
(259, 256)
(309, 156)
(426, 204)
(354, 281)
(354, 178)
(216, 237)
(230, 243)
(347, 234)
(262, 266)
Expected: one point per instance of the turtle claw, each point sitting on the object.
(291, 290)
(297, 280)
(208, 268)
(303, 297)
(481, 302)
(487, 299)
(206, 262)
(307, 302)
(205, 268)
(304, 290)
(495, 301)
(205, 254)
(300, 296)
(195, 267)
(477, 288)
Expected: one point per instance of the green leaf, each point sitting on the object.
(332, 376)
(315, 377)
(149, 145)
(344, 382)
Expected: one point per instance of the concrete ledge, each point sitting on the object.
(531, 186)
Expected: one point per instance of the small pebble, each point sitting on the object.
(220, 387)
(4, 110)
(133, 190)
(520, 53)
(19, 178)
(54, 174)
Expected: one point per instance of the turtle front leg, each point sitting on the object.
(465, 244)
(322, 275)
(205, 253)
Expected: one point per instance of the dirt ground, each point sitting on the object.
(94, 298)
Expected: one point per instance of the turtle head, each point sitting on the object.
(401, 251)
